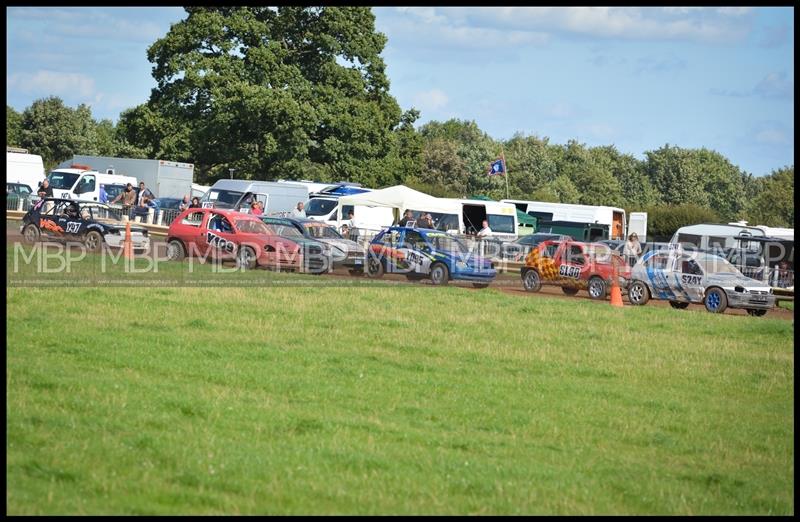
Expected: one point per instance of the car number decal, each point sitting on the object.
(220, 242)
(569, 271)
(72, 227)
(415, 258)
(690, 279)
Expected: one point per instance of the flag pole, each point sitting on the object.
(505, 167)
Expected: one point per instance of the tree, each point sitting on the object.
(270, 90)
(676, 176)
(773, 206)
(722, 182)
(664, 220)
(13, 127)
(532, 164)
(50, 129)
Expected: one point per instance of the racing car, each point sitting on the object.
(574, 266)
(696, 277)
(420, 253)
(338, 250)
(88, 222)
(230, 235)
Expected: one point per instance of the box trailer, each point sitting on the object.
(24, 168)
(614, 217)
(166, 179)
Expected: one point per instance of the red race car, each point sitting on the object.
(573, 266)
(230, 235)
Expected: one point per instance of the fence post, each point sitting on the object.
(160, 218)
(19, 204)
(149, 219)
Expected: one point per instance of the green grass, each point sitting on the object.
(390, 400)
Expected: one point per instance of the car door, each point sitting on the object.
(52, 218)
(574, 265)
(220, 236)
(659, 270)
(689, 279)
(417, 252)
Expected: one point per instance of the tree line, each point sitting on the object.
(302, 93)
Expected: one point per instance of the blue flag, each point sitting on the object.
(497, 168)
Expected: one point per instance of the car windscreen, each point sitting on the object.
(445, 243)
(320, 207)
(321, 231)
(284, 230)
(252, 226)
(222, 198)
(62, 180)
(716, 265)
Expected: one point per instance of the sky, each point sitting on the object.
(635, 78)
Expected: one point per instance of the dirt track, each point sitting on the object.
(507, 283)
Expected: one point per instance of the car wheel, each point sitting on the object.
(440, 275)
(31, 233)
(480, 285)
(638, 293)
(246, 258)
(569, 290)
(531, 281)
(597, 288)
(175, 250)
(93, 241)
(374, 268)
(716, 301)
(756, 313)
(678, 305)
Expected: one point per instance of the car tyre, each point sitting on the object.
(678, 305)
(597, 288)
(716, 301)
(531, 281)
(93, 241)
(31, 233)
(440, 275)
(374, 268)
(569, 290)
(756, 312)
(175, 250)
(638, 293)
(246, 258)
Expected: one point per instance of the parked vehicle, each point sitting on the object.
(16, 192)
(420, 253)
(316, 254)
(322, 204)
(612, 217)
(574, 266)
(342, 252)
(586, 232)
(24, 168)
(517, 250)
(696, 277)
(238, 194)
(80, 182)
(708, 236)
(89, 222)
(229, 235)
(165, 179)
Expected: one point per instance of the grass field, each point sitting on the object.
(390, 400)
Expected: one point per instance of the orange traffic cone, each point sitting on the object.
(616, 294)
(127, 246)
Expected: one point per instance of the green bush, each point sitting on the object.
(664, 220)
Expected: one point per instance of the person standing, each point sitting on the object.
(632, 249)
(485, 231)
(45, 190)
(408, 216)
(195, 202)
(184, 204)
(128, 197)
(103, 194)
(299, 212)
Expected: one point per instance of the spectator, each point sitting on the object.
(299, 211)
(425, 221)
(485, 231)
(103, 194)
(184, 204)
(632, 249)
(45, 190)
(408, 216)
(143, 195)
(195, 202)
(128, 197)
(256, 208)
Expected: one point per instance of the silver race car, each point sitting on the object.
(693, 277)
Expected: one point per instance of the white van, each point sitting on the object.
(24, 168)
(278, 198)
(81, 183)
(710, 236)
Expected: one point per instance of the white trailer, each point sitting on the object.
(166, 179)
(24, 168)
(612, 216)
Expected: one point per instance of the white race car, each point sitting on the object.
(693, 277)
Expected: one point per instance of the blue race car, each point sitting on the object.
(420, 253)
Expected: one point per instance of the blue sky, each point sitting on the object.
(636, 78)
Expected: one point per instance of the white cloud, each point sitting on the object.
(774, 86)
(432, 100)
(66, 85)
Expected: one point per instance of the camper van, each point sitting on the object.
(612, 216)
(711, 236)
(502, 217)
(238, 194)
(24, 168)
(79, 182)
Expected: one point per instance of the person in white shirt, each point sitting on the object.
(485, 231)
(299, 211)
